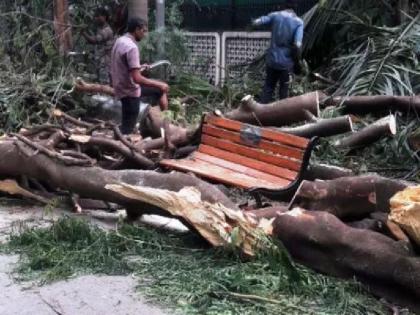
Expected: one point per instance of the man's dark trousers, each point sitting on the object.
(272, 77)
(130, 113)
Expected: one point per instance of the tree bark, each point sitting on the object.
(322, 128)
(62, 26)
(277, 114)
(322, 242)
(90, 182)
(377, 103)
(326, 172)
(152, 126)
(384, 127)
(139, 9)
(349, 198)
(82, 86)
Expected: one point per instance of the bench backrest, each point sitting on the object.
(266, 150)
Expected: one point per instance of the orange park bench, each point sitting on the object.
(261, 160)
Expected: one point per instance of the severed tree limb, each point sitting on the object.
(64, 159)
(376, 103)
(325, 172)
(38, 129)
(123, 139)
(55, 138)
(82, 86)
(322, 127)
(89, 182)
(116, 146)
(384, 127)
(12, 187)
(59, 114)
(277, 114)
(319, 240)
(214, 222)
(348, 197)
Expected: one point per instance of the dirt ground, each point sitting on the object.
(81, 295)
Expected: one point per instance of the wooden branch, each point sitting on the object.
(116, 146)
(322, 127)
(376, 103)
(89, 182)
(82, 86)
(12, 187)
(277, 114)
(52, 154)
(384, 127)
(325, 172)
(37, 129)
(53, 140)
(123, 139)
(58, 113)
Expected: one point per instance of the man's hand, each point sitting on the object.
(164, 87)
(144, 67)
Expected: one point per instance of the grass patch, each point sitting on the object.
(178, 271)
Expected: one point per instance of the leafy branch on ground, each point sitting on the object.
(179, 271)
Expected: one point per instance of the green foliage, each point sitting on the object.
(178, 271)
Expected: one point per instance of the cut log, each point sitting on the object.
(277, 114)
(322, 128)
(349, 198)
(382, 128)
(376, 103)
(326, 172)
(322, 242)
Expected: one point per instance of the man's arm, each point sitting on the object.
(133, 61)
(262, 20)
(297, 49)
(142, 80)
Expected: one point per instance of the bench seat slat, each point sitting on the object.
(267, 134)
(240, 169)
(264, 144)
(220, 174)
(245, 161)
(250, 152)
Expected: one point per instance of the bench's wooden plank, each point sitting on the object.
(267, 134)
(219, 174)
(257, 165)
(240, 169)
(264, 144)
(250, 152)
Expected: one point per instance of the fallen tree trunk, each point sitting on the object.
(322, 127)
(322, 242)
(384, 127)
(89, 182)
(348, 197)
(376, 103)
(326, 172)
(277, 114)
